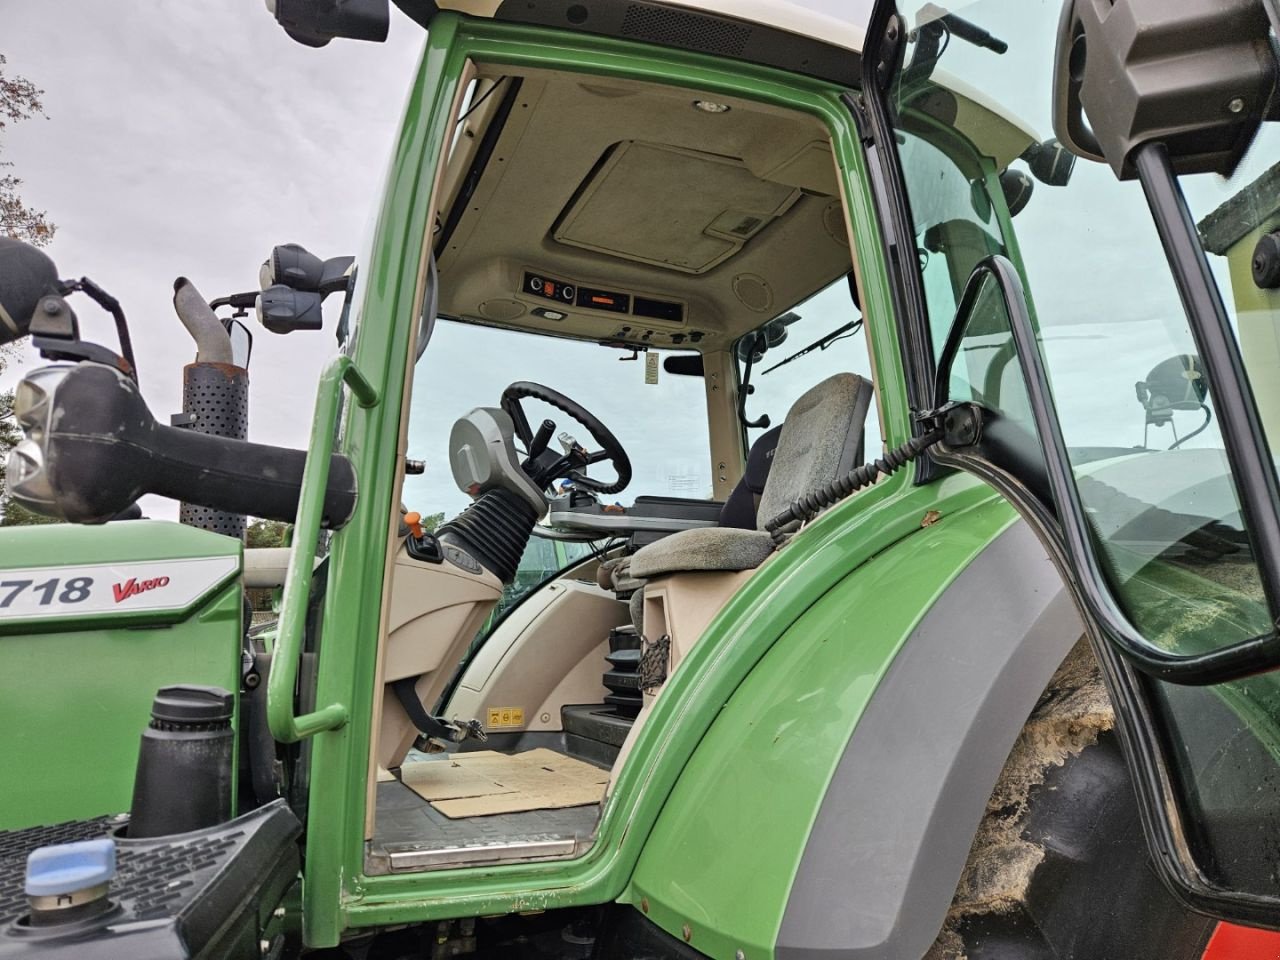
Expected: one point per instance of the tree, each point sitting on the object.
(19, 100)
(265, 533)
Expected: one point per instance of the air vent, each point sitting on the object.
(689, 30)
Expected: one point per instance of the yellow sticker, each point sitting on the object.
(505, 717)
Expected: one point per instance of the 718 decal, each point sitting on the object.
(74, 590)
(127, 588)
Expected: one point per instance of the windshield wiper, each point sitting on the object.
(821, 344)
(935, 32)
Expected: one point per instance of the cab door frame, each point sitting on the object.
(1146, 740)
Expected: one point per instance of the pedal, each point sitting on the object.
(468, 730)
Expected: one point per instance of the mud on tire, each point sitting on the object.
(1059, 868)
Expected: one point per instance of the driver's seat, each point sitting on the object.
(820, 441)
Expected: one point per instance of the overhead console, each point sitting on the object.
(558, 296)
(569, 293)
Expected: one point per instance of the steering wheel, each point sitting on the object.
(610, 448)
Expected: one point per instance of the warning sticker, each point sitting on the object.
(505, 717)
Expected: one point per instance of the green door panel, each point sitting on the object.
(723, 854)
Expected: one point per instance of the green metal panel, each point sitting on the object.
(74, 703)
(337, 895)
(746, 801)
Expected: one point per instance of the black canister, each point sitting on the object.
(183, 781)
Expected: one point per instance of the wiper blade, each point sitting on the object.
(820, 344)
(934, 33)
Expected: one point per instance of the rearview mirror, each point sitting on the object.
(1171, 617)
(684, 365)
(241, 343)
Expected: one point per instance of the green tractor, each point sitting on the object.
(865, 540)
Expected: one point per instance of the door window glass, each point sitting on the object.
(1136, 410)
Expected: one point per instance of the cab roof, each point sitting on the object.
(820, 38)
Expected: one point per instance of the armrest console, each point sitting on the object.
(657, 515)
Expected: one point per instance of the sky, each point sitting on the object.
(187, 139)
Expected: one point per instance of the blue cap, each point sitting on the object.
(69, 867)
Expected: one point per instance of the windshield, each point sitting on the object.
(1136, 411)
(662, 426)
(827, 328)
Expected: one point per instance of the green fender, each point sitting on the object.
(719, 867)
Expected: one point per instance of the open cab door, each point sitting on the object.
(1104, 352)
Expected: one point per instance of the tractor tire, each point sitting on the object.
(1059, 869)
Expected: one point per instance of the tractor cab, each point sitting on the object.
(780, 492)
(637, 291)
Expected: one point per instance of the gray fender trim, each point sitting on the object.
(892, 835)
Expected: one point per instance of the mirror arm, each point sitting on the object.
(762, 421)
(1238, 660)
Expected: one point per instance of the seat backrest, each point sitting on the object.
(820, 441)
(740, 506)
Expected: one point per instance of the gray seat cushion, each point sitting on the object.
(707, 548)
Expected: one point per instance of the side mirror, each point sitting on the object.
(282, 309)
(992, 367)
(241, 343)
(294, 285)
(314, 23)
(26, 275)
(1196, 75)
(1051, 163)
(293, 265)
(772, 334)
(1017, 188)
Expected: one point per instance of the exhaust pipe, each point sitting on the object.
(215, 396)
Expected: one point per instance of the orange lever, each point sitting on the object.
(413, 520)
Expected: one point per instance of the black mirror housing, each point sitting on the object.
(314, 23)
(26, 275)
(1196, 75)
(1051, 163)
(282, 309)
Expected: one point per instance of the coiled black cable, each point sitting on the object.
(808, 506)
